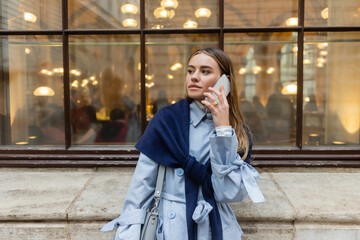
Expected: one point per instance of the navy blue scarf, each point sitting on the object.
(166, 141)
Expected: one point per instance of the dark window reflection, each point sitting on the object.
(31, 85)
(266, 76)
(105, 89)
(280, 112)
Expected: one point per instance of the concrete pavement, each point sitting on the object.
(74, 203)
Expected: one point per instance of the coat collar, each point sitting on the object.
(196, 113)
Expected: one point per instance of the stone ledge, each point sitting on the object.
(322, 196)
(72, 203)
(252, 231)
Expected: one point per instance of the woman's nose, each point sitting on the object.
(195, 77)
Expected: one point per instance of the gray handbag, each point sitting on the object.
(148, 230)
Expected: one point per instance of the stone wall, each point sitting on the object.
(302, 203)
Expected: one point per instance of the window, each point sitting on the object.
(81, 79)
(267, 79)
(332, 13)
(30, 15)
(32, 111)
(331, 87)
(180, 14)
(87, 14)
(104, 89)
(263, 13)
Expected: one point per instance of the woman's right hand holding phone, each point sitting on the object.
(219, 106)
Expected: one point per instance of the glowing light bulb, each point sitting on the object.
(256, 69)
(129, 8)
(289, 89)
(202, 12)
(270, 70)
(58, 70)
(320, 65)
(75, 72)
(323, 53)
(190, 24)
(157, 26)
(176, 66)
(325, 13)
(84, 82)
(242, 71)
(75, 84)
(322, 45)
(129, 22)
(44, 91)
(161, 12)
(29, 17)
(295, 49)
(169, 4)
(292, 22)
(321, 60)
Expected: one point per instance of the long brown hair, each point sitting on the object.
(236, 118)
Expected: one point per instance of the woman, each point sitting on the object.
(198, 140)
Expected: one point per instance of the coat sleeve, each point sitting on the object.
(138, 198)
(232, 178)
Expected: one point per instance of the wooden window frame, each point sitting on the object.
(93, 156)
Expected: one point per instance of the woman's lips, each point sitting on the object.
(193, 86)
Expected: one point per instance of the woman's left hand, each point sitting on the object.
(219, 108)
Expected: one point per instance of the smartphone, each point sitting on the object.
(224, 81)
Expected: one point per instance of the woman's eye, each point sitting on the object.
(189, 71)
(205, 72)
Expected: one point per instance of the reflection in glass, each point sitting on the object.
(332, 13)
(180, 14)
(30, 15)
(261, 13)
(166, 66)
(331, 89)
(105, 89)
(31, 110)
(88, 14)
(266, 66)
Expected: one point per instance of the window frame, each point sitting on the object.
(126, 155)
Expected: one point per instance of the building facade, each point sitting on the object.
(80, 79)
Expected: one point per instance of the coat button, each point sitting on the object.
(179, 172)
(171, 214)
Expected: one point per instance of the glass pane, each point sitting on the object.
(181, 14)
(266, 66)
(31, 110)
(104, 14)
(262, 13)
(30, 15)
(105, 89)
(332, 13)
(331, 89)
(166, 66)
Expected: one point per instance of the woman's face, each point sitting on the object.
(203, 72)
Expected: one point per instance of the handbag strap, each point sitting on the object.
(159, 181)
